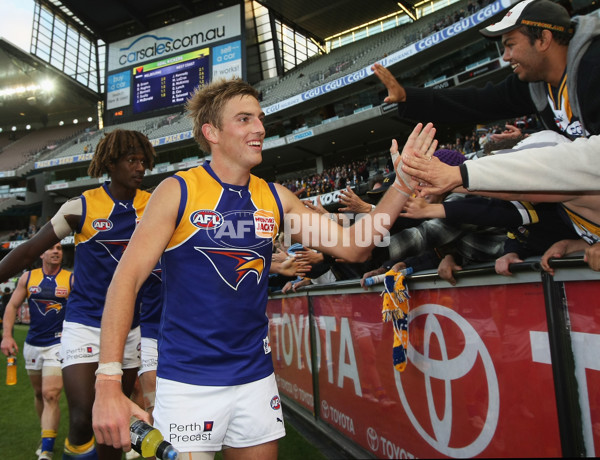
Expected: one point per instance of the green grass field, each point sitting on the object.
(20, 429)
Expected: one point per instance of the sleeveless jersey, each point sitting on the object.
(214, 328)
(102, 235)
(47, 298)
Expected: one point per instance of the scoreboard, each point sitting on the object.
(170, 82)
(155, 73)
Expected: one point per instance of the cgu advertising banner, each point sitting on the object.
(478, 381)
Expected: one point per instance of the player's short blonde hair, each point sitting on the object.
(206, 105)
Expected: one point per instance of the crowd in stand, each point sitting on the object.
(358, 172)
(331, 179)
(459, 229)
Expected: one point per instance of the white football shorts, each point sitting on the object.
(81, 344)
(42, 359)
(207, 418)
(149, 355)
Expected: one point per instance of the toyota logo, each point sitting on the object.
(325, 409)
(372, 439)
(446, 370)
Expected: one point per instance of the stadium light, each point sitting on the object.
(60, 123)
(47, 86)
(75, 121)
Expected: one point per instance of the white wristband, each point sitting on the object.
(113, 368)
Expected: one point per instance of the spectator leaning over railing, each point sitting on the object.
(530, 175)
(543, 46)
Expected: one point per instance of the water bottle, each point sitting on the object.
(11, 370)
(149, 442)
(377, 279)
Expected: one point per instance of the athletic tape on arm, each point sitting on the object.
(59, 222)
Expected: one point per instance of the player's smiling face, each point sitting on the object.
(242, 132)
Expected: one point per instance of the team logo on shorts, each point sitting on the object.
(275, 403)
(208, 426)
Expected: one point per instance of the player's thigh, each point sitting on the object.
(266, 451)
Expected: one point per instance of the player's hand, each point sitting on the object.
(9, 346)
(421, 144)
(111, 415)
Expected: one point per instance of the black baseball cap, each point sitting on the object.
(544, 14)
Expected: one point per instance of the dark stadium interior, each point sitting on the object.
(114, 20)
(350, 140)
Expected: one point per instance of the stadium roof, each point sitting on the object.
(69, 100)
(112, 20)
(117, 19)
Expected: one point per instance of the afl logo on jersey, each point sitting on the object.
(35, 290)
(207, 219)
(102, 225)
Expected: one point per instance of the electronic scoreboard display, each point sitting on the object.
(156, 72)
(169, 82)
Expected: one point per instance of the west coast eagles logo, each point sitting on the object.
(47, 306)
(235, 242)
(235, 264)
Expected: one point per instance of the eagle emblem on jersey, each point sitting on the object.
(46, 306)
(233, 265)
(115, 248)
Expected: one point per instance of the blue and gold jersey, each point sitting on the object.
(47, 298)
(565, 120)
(214, 328)
(103, 234)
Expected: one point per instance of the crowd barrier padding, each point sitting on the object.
(497, 366)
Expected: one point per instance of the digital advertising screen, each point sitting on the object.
(157, 72)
